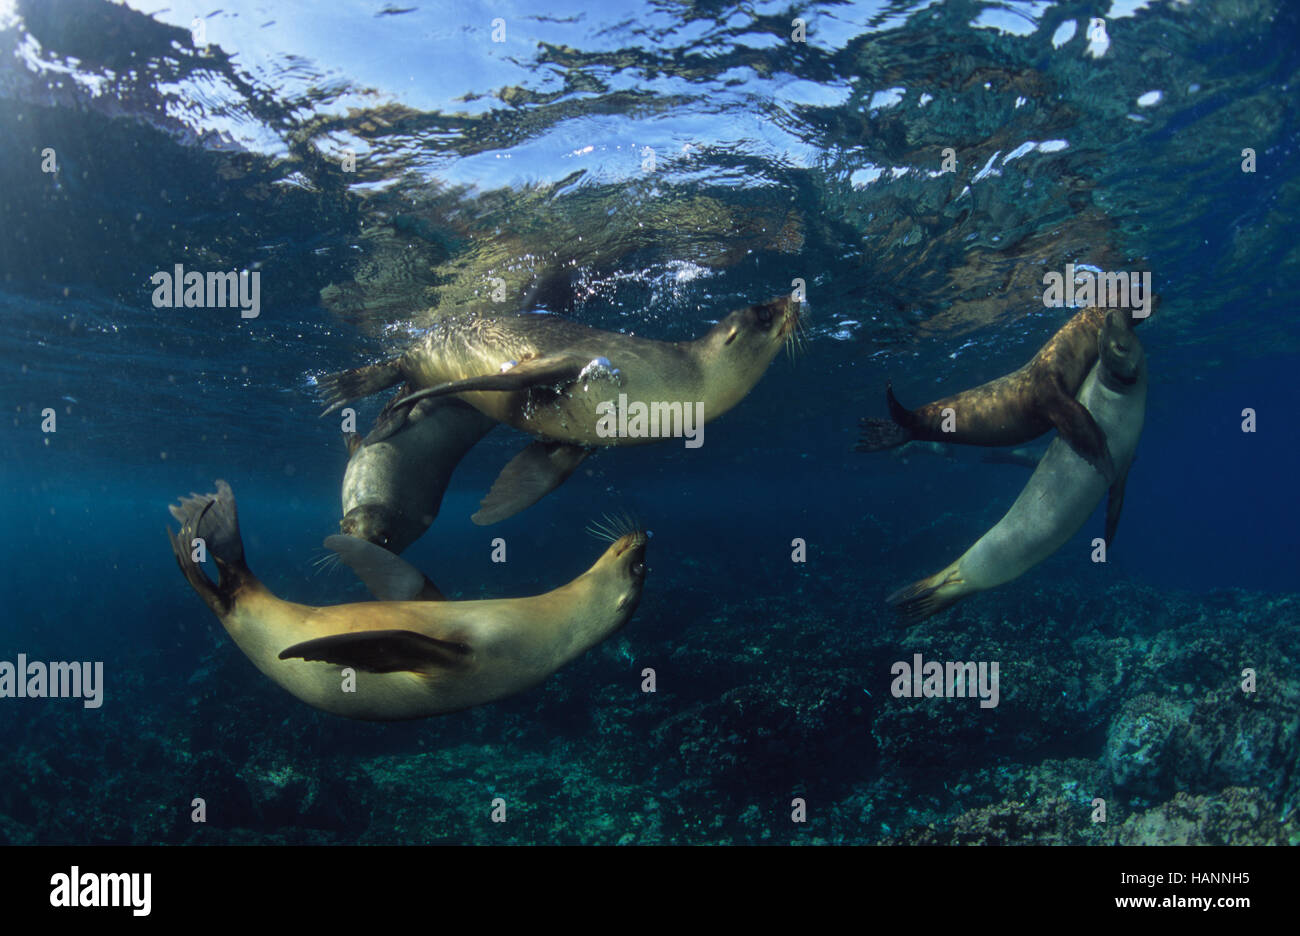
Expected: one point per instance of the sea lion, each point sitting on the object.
(1014, 408)
(411, 658)
(1062, 491)
(393, 489)
(547, 376)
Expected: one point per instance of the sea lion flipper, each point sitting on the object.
(388, 576)
(928, 596)
(548, 370)
(345, 386)
(393, 417)
(531, 475)
(876, 435)
(1114, 505)
(381, 651)
(1081, 432)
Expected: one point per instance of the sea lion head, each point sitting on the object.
(744, 342)
(1120, 352)
(377, 524)
(619, 575)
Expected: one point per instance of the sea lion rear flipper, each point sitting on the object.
(928, 596)
(214, 519)
(876, 435)
(529, 476)
(381, 651)
(1080, 431)
(345, 386)
(549, 370)
(1113, 507)
(388, 576)
(353, 442)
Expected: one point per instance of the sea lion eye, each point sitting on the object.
(764, 314)
(638, 568)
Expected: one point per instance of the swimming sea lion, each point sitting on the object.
(1062, 491)
(1014, 408)
(393, 488)
(411, 658)
(546, 376)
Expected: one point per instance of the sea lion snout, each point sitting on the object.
(1118, 348)
(781, 311)
(370, 523)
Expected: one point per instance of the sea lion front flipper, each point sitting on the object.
(388, 576)
(529, 476)
(381, 651)
(548, 370)
(1080, 431)
(1113, 507)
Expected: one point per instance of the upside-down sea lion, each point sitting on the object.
(411, 658)
(546, 376)
(1063, 490)
(1014, 408)
(393, 488)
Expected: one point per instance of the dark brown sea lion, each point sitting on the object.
(1063, 490)
(393, 489)
(1014, 408)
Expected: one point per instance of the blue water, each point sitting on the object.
(526, 159)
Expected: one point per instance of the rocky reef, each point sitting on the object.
(1122, 719)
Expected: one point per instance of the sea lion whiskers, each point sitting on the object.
(613, 527)
(325, 562)
(794, 333)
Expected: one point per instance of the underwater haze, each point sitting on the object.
(913, 169)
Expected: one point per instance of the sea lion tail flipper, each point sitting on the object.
(388, 576)
(345, 386)
(1077, 427)
(382, 651)
(531, 475)
(929, 596)
(353, 442)
(1114, 505)
(214, 519)
(876, 435)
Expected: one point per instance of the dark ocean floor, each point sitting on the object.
(1130, 695)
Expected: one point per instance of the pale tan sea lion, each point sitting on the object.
(547, 376)
(411, 658)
